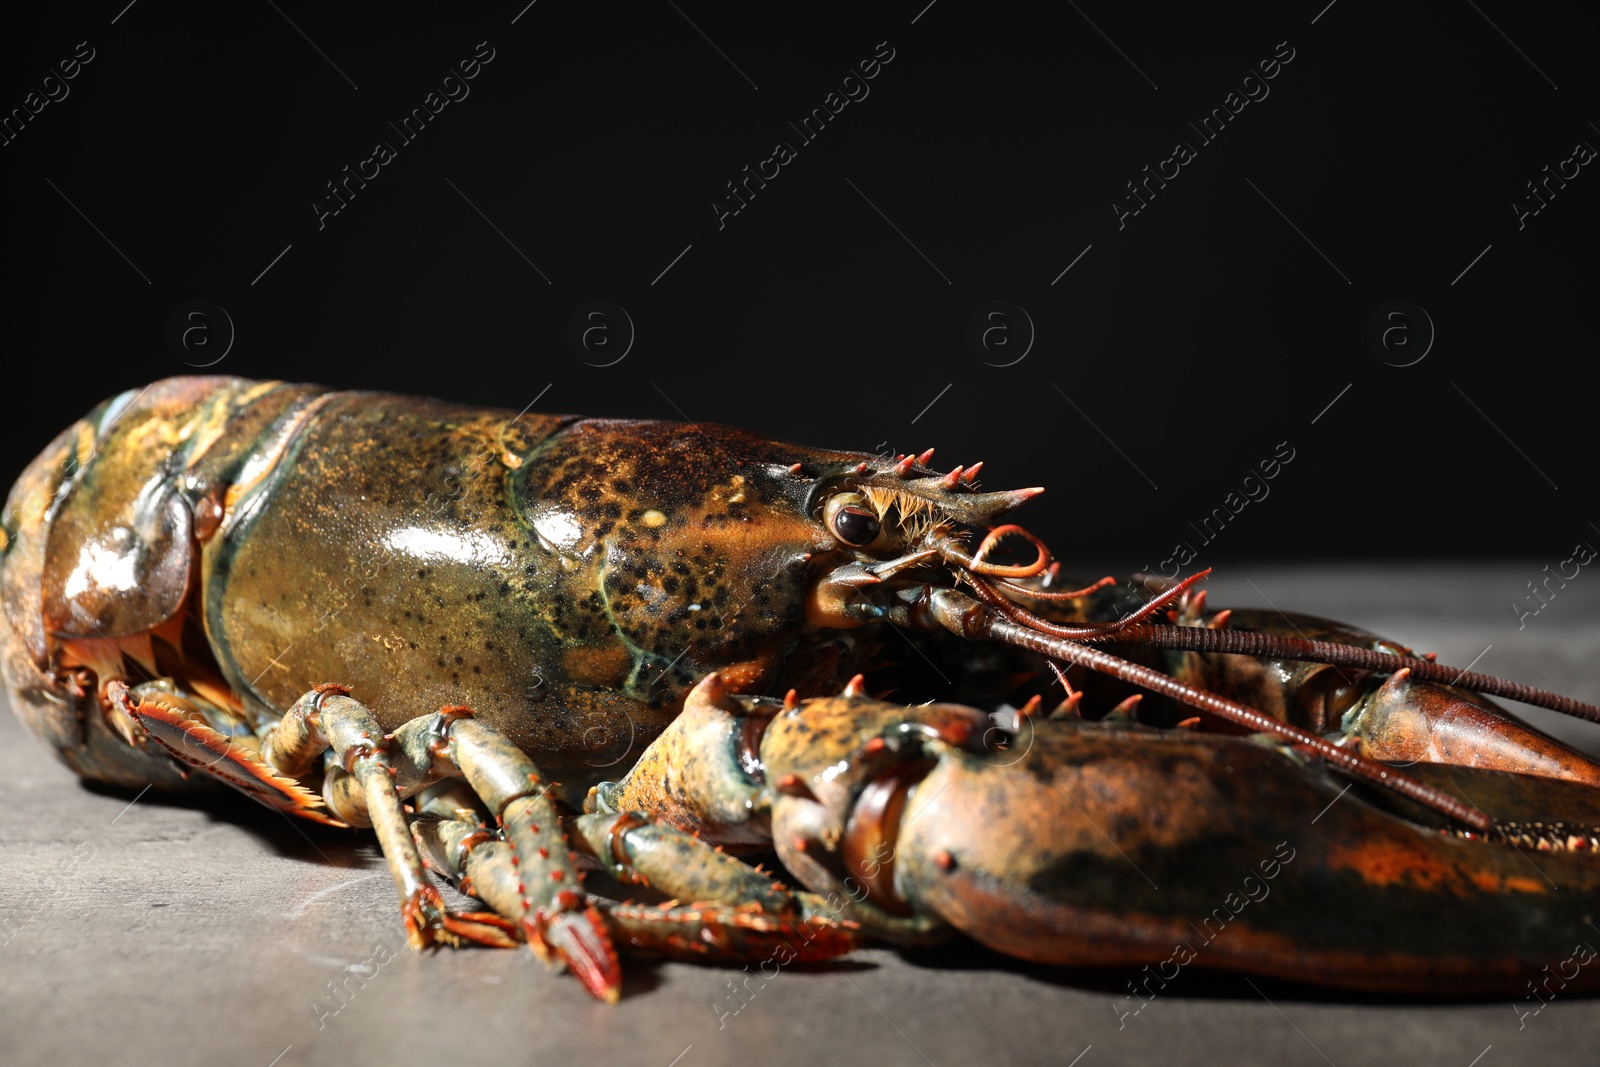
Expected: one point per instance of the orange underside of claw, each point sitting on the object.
(195, 744)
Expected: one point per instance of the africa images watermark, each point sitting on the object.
(1184, 953)
(739, 992)
(851, 89)
(1252, 89)
(340, 994)
(1252, 489)
(1542, 190)
(1583, 554)
(453, 88)
(1582, 954)
(53, 89)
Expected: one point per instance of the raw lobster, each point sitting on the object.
(274, 586)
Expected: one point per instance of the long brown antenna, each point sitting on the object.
(992, 625)
(1246, 643)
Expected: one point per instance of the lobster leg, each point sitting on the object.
(640, 852)
(452, 826)
(735, 913)
(374, 772)
(154, 718)
(363, 787)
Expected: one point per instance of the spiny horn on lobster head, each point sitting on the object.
(952, 493)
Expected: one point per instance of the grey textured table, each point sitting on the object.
(161, 934)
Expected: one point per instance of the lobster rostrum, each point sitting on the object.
(184, 564)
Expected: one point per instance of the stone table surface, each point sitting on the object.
(154, 933)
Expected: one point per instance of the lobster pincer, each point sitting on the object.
(1113, 843)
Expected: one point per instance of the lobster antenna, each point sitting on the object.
(1133, 630)
(1246, 643)
(998, 628)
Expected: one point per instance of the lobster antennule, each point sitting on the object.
(978, 562)
(1059, 594)
(991, 595)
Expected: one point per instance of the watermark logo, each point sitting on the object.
(1582, 954)
(1000, 333)
(1251, 490)
(1252, 88)
(600, 333)
(852, 88)
(452, 88)
(1540, 191)
(1400, 333)
(338, 995)
(53, 89)
(200, 333)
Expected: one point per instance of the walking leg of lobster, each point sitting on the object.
(721, 909)
(529, 872)
(365, 786)
(157, 719)
(527, 868)
(372, 773)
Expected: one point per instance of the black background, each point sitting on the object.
(1190, 343)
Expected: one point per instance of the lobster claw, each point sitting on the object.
(849, 774)
(1092, 844)
(1406, 720)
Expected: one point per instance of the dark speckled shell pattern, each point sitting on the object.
(568, 578)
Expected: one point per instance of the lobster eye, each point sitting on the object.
(851, 519)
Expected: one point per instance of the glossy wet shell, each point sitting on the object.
(101, 550)
(1109, 844)
(567, 578)
(1105, 845)
(569, 588)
